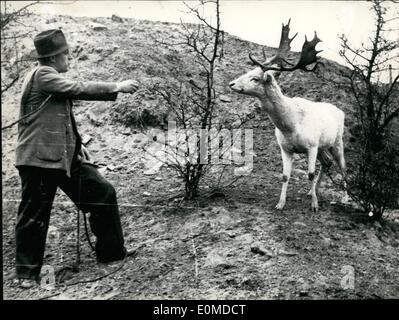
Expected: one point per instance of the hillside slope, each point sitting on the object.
(244, 249)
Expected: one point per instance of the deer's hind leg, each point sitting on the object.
(337, 152)
(312, 157)
(325, 163)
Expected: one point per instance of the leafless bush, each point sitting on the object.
(13, 60)
(374, 165)
(194, 104)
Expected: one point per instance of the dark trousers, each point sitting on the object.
(88, 190)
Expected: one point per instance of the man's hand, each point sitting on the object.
(128, 86)
(85, 153)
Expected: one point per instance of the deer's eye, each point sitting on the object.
(255, 79)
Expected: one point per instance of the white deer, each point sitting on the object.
(302, 126)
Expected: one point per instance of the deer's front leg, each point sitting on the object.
(312, 156)
(287, 167)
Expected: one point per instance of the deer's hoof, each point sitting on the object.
(315, 208)
(345, 199)
(280, 205)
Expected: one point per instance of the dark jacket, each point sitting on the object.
(48, 138)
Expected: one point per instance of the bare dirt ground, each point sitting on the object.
(231, 246)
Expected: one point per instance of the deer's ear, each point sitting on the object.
(267, 77)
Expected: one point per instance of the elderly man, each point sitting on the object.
(50, 154)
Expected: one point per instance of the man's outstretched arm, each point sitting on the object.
(51, 82)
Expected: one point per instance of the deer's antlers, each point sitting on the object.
(308, 53)
(284, 47)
